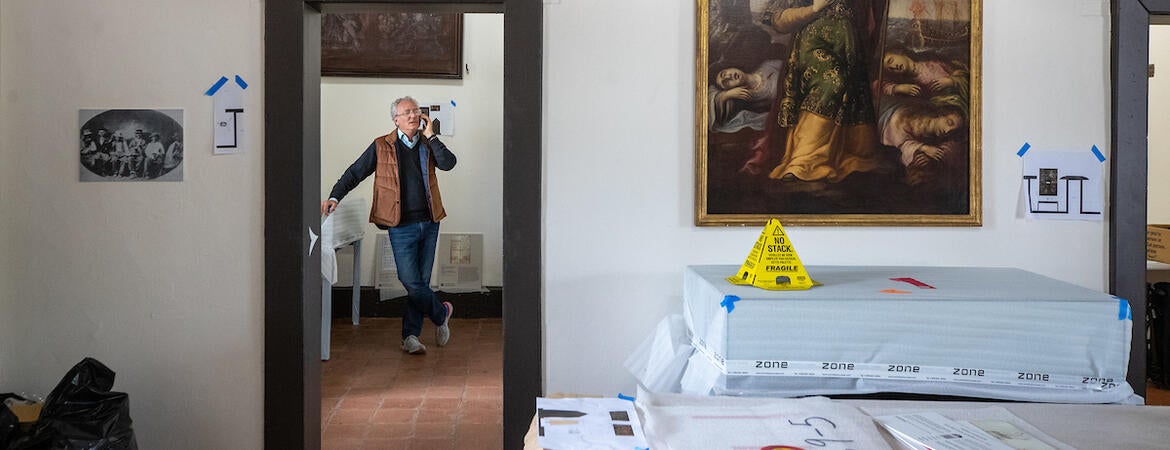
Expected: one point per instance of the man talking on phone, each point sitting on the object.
(407, 204)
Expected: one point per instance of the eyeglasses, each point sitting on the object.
(408, 112)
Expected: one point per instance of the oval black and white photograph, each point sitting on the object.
(131, 144)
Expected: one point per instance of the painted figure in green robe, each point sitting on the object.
(825, 103)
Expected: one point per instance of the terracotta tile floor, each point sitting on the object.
(374, 396)
(1156, 396)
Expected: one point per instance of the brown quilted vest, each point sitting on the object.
(387, 209)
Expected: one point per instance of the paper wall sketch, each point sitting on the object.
(1063, 185)
(131, 144)
(442, 116)
(228, 115)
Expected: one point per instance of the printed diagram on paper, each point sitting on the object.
(1063, 185)
(588, 423)
(442, 116)
(228, 115)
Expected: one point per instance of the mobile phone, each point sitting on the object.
(426, 111)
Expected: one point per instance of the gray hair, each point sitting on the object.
(394, 106)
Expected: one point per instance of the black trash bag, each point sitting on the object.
(1158, 334)
(9, 424)
(82, 413)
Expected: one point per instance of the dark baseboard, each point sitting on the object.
(472, 305)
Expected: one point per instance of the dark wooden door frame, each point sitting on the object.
(292, 167)
(1128, 177)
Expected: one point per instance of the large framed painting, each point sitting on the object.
(392, 44)
(838, 112)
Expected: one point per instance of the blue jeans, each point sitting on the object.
(414, 255)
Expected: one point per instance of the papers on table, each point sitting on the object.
(344, 226)
(991, 428)
(588, 423)
(328, 253)
(927, 430)
(350, 219)
(684, 422)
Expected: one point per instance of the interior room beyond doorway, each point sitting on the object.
(372, 393)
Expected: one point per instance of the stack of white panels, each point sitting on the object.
(979, 332)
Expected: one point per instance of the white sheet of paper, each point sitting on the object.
(349, 221)
(344, 226)
(588, 423)
(929, 430)
(688, 422)
(444, 112)
(1011, 435)
(997, 421)
(1063, 186)
(228, 119)
(328, 254)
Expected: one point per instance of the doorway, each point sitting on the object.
(374, 395)
(1158, 190)
(1158, 201)
(292, 192)
(1130, 53)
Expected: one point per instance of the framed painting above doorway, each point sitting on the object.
(392, 44)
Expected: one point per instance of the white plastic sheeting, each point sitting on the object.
(978, 332)
(682, 422)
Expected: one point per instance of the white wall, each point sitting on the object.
(620, 192)
(354, 111)
(1158, 196)
(162, 282)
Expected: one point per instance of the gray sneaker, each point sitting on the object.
(413, 346)
(443, 332)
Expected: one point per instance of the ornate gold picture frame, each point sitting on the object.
(838, 112)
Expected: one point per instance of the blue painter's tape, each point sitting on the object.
(1097, 153)
(215, 87)
(452, 102)
(1123, 311)
(1023, 149)
(241, 83)
(625, 397)
(729, 302)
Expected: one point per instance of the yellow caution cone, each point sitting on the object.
(773, 263)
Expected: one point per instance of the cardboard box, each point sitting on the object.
(26, 413)
(1158, 243)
